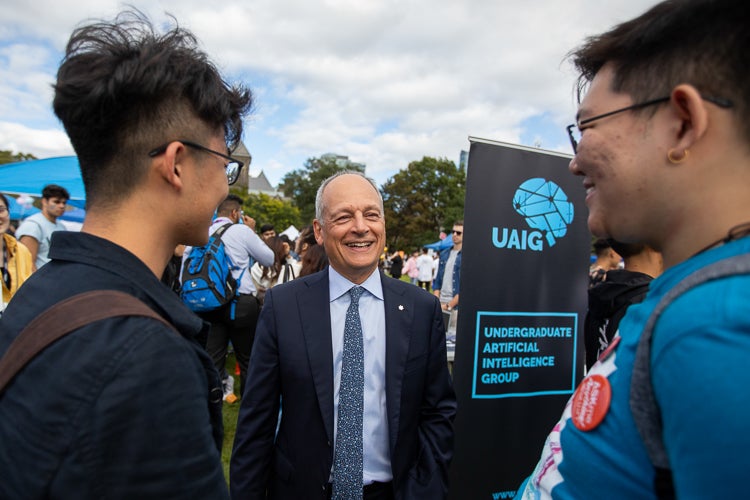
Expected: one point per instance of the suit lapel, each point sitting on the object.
(399, 315)
(315, 315)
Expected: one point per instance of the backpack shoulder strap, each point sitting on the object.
(65, 317)
(288, 273)
(643, 403)
(217, 241)
(213, 245)
(221, 230)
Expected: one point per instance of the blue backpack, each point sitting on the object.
(207, 282)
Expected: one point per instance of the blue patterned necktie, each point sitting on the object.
(347, 465)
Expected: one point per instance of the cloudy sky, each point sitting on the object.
(384, 82)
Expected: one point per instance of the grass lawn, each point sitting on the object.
(230, 419)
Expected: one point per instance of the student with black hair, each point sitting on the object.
(127, 406)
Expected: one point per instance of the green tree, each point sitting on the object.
(301, 185)
(421, 200)
(268, 210)
(10, 157)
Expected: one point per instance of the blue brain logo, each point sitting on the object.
(545, 207)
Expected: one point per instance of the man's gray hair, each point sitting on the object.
(319, 208)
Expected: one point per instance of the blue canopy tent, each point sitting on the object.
(30, 177)
(74, 215)
(439, 245)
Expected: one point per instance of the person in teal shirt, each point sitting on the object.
(662, 144)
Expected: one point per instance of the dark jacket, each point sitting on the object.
(116, 409)
(608, 302)
(397, 265)
(292, 361)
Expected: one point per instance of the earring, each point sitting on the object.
(675, 161)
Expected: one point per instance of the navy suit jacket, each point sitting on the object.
(292, 361)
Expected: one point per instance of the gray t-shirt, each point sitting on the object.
(446, 291)
(40, 228)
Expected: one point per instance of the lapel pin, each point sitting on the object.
(400, 307)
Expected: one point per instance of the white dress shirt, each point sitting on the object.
(375, 436)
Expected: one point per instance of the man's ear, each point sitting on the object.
(236, 215)
(317, 228)
(170, 165)
(689, 109)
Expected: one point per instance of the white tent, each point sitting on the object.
(292, 232)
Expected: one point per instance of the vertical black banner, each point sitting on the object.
(524, 280)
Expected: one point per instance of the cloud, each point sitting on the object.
(43, 143)
(385, 82)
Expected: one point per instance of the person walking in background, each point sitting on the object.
(35, 232)
(267, 231)
(16, 262)
(305, 240)
(425, 269)
(607, 259)
(236, 321)
(662, 146)
(397, 264)
(126, 406)
(315, 260)
(435, 266)
(619, 289)
(290, 248)
(448, 277)
(410, 268)
(357, 362)
(282, 269)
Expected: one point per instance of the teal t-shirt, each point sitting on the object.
(700, 359)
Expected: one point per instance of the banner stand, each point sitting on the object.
(524, 282)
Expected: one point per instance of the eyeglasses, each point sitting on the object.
(575, 131)
(232, 167)
(459, 233)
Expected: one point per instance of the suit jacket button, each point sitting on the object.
(329, 444)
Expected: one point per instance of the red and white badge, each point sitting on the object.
(591, 402)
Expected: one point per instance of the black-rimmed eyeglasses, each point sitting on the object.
(575, 130)
(232, 167)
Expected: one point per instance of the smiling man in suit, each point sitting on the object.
(357, 362)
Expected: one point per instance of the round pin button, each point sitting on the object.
(591, 402)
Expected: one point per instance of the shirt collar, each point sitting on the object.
(338, 285)
(97, 252)
(222, 219)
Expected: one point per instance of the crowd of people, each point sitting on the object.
(346, 393)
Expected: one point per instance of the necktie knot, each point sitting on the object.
(356, 293)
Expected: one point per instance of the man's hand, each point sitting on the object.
(249, 221)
